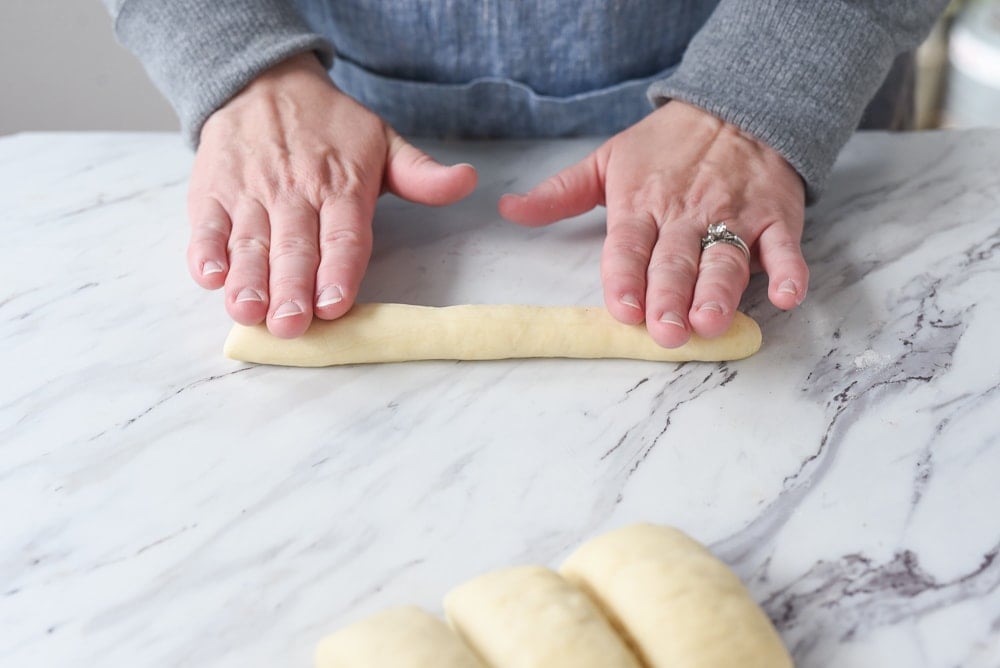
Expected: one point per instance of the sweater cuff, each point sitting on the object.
(797, 76)
(200, 54)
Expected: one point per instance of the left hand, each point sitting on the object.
(664, 181)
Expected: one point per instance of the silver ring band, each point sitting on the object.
(718, 234)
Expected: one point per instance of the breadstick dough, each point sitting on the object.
(401, 332)
(529, 617)
(674, 602)
(400, 637)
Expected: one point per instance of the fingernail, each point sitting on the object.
(630, 300)
(711, 306)
(211, 267)
(788, 287)
(464, 164)
(287, 310)
(330, 295)
(249, 295)
(672, 318)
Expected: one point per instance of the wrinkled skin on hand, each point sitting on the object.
(663, 181)
(288, 172)
(283, 192)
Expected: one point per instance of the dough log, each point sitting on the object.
(401, 332)
(529, 617)
(674, 602)
(397, 638)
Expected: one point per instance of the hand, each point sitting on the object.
(664, 180)
(283, 192)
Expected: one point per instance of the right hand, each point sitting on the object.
(283, 192)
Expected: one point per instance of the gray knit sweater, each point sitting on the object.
(797, 74)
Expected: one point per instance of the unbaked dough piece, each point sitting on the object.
(401, 332)
(405, 637)
(529, 617)
(674, 602)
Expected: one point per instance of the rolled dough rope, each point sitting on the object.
(674, 602)
(401, 332)
(401, 638)
(529, 617)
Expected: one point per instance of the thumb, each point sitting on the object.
(573, 191)
(415, 176)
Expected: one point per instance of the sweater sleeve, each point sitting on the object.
(796, 75)
(200, 54)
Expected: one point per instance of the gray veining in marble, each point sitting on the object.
(164, 506)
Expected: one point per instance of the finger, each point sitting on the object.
(575, 190)
(673, 269)
(415, 176)
(246, 282)
(723, 275)
(206, 254)
(294, 258)
(624, 261)
(345, 246)
(781, 257)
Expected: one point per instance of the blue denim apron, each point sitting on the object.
(528, 68)
(504, 68)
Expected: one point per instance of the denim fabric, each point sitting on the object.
(503, 68)
(796, 75)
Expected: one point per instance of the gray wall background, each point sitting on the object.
(61, 69)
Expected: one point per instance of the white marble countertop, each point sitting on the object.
(161, 505)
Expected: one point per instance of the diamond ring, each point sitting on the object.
(718, 234)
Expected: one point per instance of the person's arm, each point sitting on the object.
(200, 54)
(796, 75)
(746, 131)
(288, 167)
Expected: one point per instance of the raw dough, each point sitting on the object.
(401, 332)
(674, 602)
(529, 617)
(401, 638)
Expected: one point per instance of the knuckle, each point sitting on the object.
(269, 185)
(312, 183)
(726, 292)
(650, 198)
(295, 181)
(421, 159)
(558, 183)
(787, 248)
(629, 250)
(342, 178)
(341, 237)
(349, 195)
(724, 261)
(673, 264)
(291, 284)
(715, 206)
(294, 247)
(280, 186)
(210, 227)
(666, 298)
(249, 245)
(623, 277)
(333, 186)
